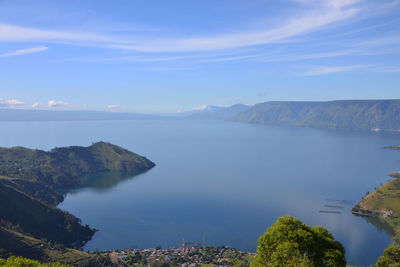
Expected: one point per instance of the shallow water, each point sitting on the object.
(226, 182)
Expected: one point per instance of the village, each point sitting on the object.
(190, 254)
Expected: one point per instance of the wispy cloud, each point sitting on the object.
(161, 69)
(331, 69)
(14, 33)
(325, 13)
(25, 51)
(304, 24)
(225, 59)
(387, 40)
(310, 56)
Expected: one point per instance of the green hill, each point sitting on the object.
(62, 167)
(23, 245)
(382, 208)
(40, 219)
(341, 115)
(383, 204)
(29, 184)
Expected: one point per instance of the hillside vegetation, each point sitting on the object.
(382, 208)
(383, 203)
(40, 219)
(341, 115)
(30, 181)
(290, 242)
(15, 243)
(62, 167)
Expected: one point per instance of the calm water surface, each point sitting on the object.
(223, 181)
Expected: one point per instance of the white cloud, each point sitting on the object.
(203, 107)
(11, 103)
(331, 69)
(35, 105)
(25, 51)
(15, 102)
(54, 103)
(112, 106)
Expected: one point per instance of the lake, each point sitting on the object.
(222, 181)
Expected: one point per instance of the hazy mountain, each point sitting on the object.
(342, 114)
(219, 113)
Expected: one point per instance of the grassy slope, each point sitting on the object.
(34, 189)
(27, 246)
(39, 219)
(395, 174)
(382, 200)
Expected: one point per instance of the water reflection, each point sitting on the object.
(103, 181)
(380, 224)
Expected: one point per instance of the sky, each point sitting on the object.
(164, 56)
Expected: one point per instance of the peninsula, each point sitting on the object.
(30, 184)
(382, 205)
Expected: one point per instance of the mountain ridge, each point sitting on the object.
(339, 114)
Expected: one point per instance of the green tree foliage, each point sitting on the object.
(390, 257)
(24, 262)
(289, 242)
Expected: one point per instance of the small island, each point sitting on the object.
(31, 181)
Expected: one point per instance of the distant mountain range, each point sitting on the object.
(218, 113)
(374, 115)
(341, 115)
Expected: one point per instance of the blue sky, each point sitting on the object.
(164, 56)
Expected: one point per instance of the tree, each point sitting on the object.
(390, 257)
(24, 262)
(289, 242)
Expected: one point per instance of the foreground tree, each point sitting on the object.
(289, 242)
(24, 262)
(390, 257)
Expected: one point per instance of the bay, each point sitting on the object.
(222, 181)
